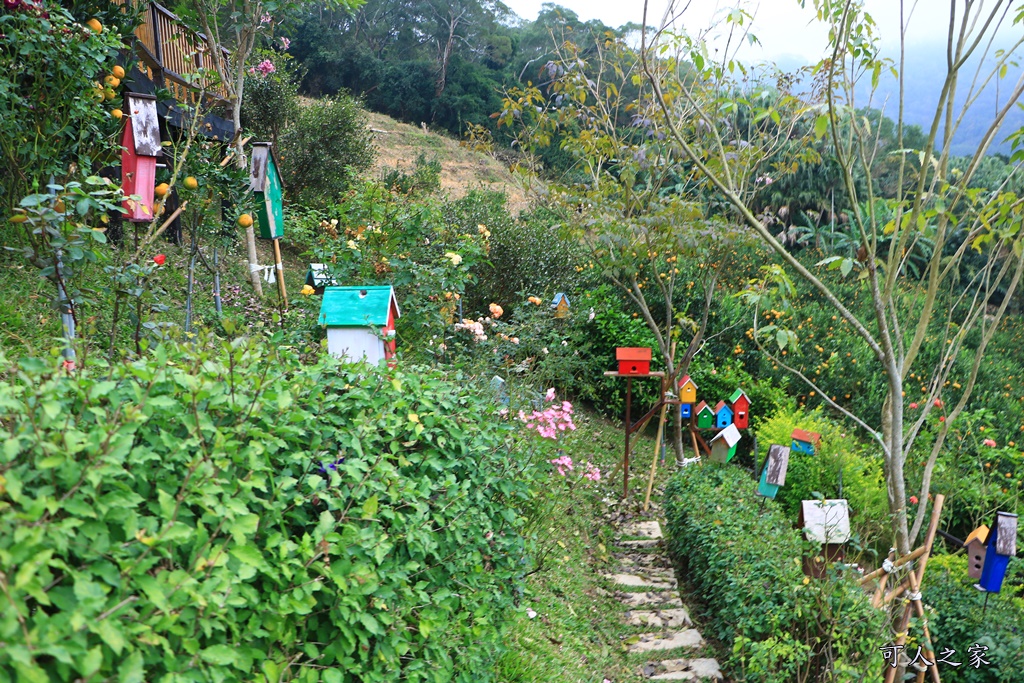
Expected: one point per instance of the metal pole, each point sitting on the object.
(625, 457)
(216, 283)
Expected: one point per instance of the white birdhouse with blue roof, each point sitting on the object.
(360, 322)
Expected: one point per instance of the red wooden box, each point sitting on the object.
(633, 360)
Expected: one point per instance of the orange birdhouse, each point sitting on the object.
(633, 360)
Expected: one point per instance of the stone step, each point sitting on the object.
(648, 529)
(701, 669)
(650, 573)
(645, 543)
(642, 560)
(654, 599)
(677, 617)
(640, 581)
(655, 642)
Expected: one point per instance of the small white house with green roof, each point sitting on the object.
(360, 322)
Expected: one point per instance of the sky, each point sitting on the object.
(787, 33)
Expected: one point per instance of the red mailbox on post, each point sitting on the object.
(633, 360)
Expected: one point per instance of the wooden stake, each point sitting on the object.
(693, 437)
(280, 273)
(661, 427)
(876, 600)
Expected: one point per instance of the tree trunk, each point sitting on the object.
(892, 434)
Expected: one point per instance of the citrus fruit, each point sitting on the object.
(112, 81)
(109, 94)
(191, 183)
(95, 25)
(245, 220)
(117, 113)
(97, 94)
(118, 71)
(161, 189)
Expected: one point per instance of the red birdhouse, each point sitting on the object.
(740, 409)
(633, 360)
(140, 146)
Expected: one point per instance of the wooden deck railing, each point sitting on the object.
(171, 51)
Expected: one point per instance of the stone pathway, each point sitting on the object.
(646, 585)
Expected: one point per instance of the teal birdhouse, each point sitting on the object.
(773, 476)
(265, 182)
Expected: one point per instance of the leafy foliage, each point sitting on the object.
(745, 564)
(222, 513)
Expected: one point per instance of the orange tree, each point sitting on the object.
(623, 194)
(973, 237)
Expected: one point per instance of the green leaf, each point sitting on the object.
(820, 126)
(131, 670)
(332, 676)
(247, 554)
(219, 655)
(370, 507)
(111, 635)
(846, 267)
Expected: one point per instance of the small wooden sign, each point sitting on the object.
(778, 463)
(145, 124)
(1006, 534)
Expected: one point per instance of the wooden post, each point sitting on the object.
(654, 463)
(625, 455)
(280, 273)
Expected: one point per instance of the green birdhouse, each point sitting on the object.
(705, 416)
(265, 182)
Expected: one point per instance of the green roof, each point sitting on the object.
(736, 395)
(356, 306)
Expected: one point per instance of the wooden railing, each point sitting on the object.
(172, 52)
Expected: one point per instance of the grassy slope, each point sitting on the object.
(578, 633)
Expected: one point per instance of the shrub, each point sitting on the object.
(323, 151)
(963, 620)
(223, 513)
(745, 563)
(271, 102)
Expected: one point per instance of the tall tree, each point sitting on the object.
(929, 202)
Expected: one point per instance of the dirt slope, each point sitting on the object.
(462, 169)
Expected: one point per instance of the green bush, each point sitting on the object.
(745, 564)
(271, 102)
(222, 513)
(324, 149)
(963, 620)
(813, 476)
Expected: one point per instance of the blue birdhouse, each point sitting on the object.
(685, 411)
(805, 442)
(723, 415)
(1001, 546)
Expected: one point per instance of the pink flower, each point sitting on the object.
(266, 67)
(550, 396)
(913, 406)
(913, 500)
(266, 19)
(593, 473)
(285, 43)
(990, 443)
(938, 403)
(562, 463)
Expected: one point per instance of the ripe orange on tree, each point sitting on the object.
(95, 25)
(191, 183)
(245, 220)
(117, 71)
(161, 189)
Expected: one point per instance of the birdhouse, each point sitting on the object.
(975, 545)
(705, 416)
(999, 548)
(773, 476)
(826, 523)
(140, 146)
(723, 446)
(805, 442)
(561, 305)
(723, 415)
(740, 409)
(633, 360)
(319, 277)
(265, 182)
(360, 322)
(687, 390)
(685, 411)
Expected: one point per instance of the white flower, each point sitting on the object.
(351, 245)
(591, 316)
(565, 343)
(544, 350)
(456, 259)
(530, 613)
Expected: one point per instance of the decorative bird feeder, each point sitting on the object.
(633, 360)
(723, 446)
(773, 476)
(740, 404)
(687, 390)
(140, 146)
(828, 524)
(723, 415)
(975, 545)
(1000, 547)
(561, 305)
(705, 416)
(685, 410)
(319, 277)
(805, 442)
(360, 322)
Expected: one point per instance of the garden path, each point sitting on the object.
(646, 586)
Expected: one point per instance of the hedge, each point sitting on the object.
(745, 564)
(225, 514)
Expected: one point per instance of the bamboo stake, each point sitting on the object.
(661, 428)
(280, 273)
(876, 600)
(693, 437)
(929, 651)
(896, 565)
(231, 155)
(925, 550)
